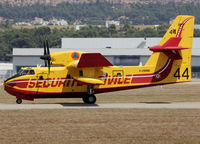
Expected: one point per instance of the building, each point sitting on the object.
(60, 22)
(6, 70)
(119, 51)
(112, 22)
(197, 26)
(78, 27)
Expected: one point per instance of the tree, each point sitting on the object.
(112, 30)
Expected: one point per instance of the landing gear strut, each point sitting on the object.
(89, 99)
(19, 101)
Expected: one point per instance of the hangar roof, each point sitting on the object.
(105, 46)
(115, 42)
(39, 51)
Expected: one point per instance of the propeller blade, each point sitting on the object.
(45, 63)
(45, 52)
(46, 57)
(48, 52)
(44, 44)
(49, 65)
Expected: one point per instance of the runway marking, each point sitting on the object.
(147, 105)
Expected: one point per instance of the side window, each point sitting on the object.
(41, 78)
(80, 73)
(68, 76)
(119, 75)
(105, 74)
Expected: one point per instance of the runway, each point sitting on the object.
(143, 105)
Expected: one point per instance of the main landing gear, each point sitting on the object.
(89, 99)
(19, 101)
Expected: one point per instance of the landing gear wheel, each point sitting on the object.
(19, 101)
(85, 99)
(89, 99)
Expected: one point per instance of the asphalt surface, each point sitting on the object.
(147, 105)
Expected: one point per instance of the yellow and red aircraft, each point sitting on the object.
(81, 74)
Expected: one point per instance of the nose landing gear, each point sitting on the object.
(19, 101)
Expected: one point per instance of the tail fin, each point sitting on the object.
(176, 46)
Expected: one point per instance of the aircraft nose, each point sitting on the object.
(18, 88)
(9, 87)
(10, 84)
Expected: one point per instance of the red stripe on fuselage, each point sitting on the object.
(18, 83)
(158, 76)
(112, 89)
(31, 95)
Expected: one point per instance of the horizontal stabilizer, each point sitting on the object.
(88, 81)
(93, 60)
(170, 45)
(170, 48)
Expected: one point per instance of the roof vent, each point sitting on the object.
(142, 44)
(109, 47)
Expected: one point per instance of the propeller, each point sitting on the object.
(45, 52)
(46, 57)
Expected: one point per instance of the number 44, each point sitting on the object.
(185, 73)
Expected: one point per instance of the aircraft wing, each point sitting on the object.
(88, 81)
(93, 60)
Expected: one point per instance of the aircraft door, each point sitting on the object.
(119, 75)
(42, 81)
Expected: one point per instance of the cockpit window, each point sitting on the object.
(21, 73)
(32, 72)
(26, 72)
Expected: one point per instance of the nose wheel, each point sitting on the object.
(19, 101)
(89, 99)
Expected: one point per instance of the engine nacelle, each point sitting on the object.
(65, 58)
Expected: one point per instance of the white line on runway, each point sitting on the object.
(148, 105)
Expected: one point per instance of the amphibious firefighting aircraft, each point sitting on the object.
(82, 75)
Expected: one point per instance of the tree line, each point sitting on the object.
(33, 37)
(97, 13)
